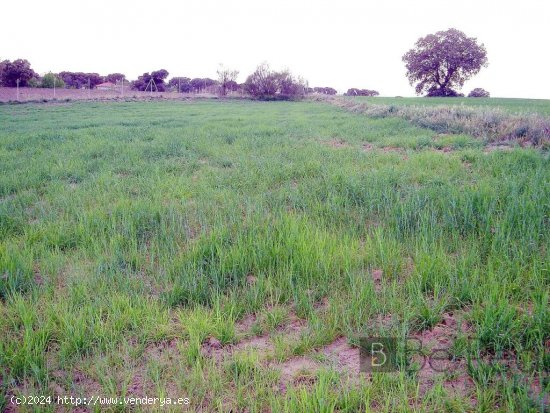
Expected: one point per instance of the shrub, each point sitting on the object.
(266, 84)
(50, 80)
(479, 92)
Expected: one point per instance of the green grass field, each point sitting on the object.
(519, 106)
(232, 252)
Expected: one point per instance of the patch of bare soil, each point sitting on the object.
(526, 143)
(260, 343)
(367, 147)
(337, 143)
(345, 356)
(86, 383)
(295, 369)
(322, 305)
(383, 322)
(437, 362)
(388, 149)
(377, 275)
(409, 267)
(38, 279)
(538, 393)
(165, 353)
(445, 149)
(212, 347)
(294, 326)
(138, 386)
(245, 324)
(302, 370)
(83, 383)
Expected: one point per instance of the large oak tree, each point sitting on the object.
(151, 81)
(19, 69)
(440, 63)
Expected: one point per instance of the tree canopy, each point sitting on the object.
(441, 62)
(114, 77)
(79, 80)
(201, 84)
(20, 69)
(180, 83)
(158, 76)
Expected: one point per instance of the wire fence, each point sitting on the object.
(28, 94)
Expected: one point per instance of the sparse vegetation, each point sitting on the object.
(489, 123)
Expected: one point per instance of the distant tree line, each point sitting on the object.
(322, 90)
(81, 80)
(188, 85)
(437, 65)
(361, 92)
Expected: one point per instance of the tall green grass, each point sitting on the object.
(130, 233)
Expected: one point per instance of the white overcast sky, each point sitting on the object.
(343, 43)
